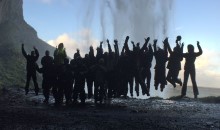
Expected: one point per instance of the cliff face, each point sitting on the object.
(11, 10)
(13, 31)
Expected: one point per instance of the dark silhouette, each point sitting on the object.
(48, 75)
(59, 57)
(99, 74)
(111, 71)
(136, 54)
(31, 68)
(80, 72)
(160, 69)
(77, 54)
(89, 61)
(146, 63)
(66, 78)
(174, 62)
(189, 68)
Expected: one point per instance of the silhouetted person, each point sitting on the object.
(79, 77)
(100, 74)
(174, 62)
(189, 68)
(48, 75)
(59, 55)
(77, 54)
(66, 78)
(136, 54)
(99, 53)
(31, 68)
(146, 63)
(126, 74)
(89, 61)
(111, 77)
(160, 67)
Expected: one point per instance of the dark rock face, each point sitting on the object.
(13, 31)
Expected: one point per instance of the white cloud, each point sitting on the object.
(81, 40)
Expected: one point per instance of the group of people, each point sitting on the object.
(111, 73)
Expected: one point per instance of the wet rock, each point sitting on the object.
(134, 111)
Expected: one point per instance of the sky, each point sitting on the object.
(195, 20)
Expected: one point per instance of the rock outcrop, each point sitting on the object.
(13, 31)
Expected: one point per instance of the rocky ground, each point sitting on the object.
(21, 112)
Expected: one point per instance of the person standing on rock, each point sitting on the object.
(31, 68)
(189, 68)
(48, 74)
(59, 57)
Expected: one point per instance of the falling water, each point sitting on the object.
(136, 18)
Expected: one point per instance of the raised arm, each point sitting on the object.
(23, 51)
(166, 42)
(37, 54)
(145, 44)
(116, 48)
(200, 49)
(155, 45)
(109, 47)
(126, 44)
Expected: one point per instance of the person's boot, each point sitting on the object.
(179, 82)
(26, 90)
(195, 96)
(36, 91)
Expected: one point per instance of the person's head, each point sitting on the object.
(178, 38)
(91, 48)
(60, 46)
(190, 48)
(32, 53)
(66, 61)
(47, 53)
(77, 50)
(86, 56)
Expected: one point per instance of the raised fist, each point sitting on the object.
(147, 40)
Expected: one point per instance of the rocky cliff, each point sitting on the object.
(13, 31)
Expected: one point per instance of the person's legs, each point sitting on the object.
(193, 79)
(28, 78)
(96, 92)
(170, 77)
(89, 87)
(131, 83)
(148, 79)
(46, 90)
(184, 88)
(36, 88)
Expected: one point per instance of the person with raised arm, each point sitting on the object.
(189, 69)
(160, 67)
(31, 68)
(174, 62)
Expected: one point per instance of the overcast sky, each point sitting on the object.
(60, 21)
